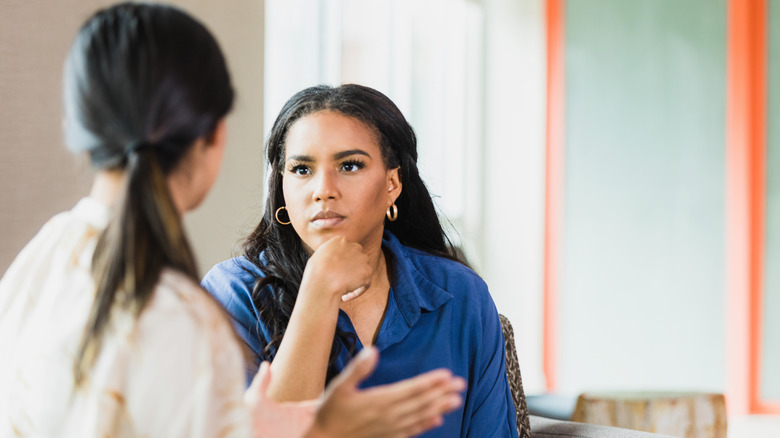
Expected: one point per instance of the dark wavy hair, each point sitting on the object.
(142, 83)
(284, 256)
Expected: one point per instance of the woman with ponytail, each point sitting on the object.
(104, 330)
(350, 254)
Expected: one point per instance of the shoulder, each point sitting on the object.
(440, 266)
(40, 250)
(231, 283)
(68, 236)
(230, 276)
(430, 266)
(181, 312)
(53, 265)
(60, 235)
(452, 276)
(181, 299)
(439, 281)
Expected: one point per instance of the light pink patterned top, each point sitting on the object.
(176, 371)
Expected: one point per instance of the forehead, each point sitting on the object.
(329, 131)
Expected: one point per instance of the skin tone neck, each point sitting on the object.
(367, 311)
(106, 186)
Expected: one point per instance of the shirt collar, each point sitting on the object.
(92, 212)
(414, 287)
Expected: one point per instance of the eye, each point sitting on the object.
(299, 169)
(352, 165)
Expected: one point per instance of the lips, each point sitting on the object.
(327, 219)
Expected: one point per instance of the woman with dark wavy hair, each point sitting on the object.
(350, 253)
(104, 330)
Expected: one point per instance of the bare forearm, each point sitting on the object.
(300, 365)
(337, 267)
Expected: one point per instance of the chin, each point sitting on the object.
(194, 202)
(320, 238)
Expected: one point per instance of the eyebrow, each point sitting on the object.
(336, 156)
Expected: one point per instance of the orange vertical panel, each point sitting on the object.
(553, 183)
(746, 202)
(737, 209)
(759, 52)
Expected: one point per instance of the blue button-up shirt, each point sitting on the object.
(439, 315)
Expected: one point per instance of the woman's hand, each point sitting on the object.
(398, 410)
(276, 420)
(338, 269)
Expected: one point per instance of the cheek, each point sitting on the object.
(292, 199)
(285, 190)
(373, 205)
(289, 200)
(378, 196)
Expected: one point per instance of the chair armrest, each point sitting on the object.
(548, 428)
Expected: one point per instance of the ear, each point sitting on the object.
(393, 185)
(218, 138)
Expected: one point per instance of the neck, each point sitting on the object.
(379, 264)
(368, 310)
(376, 294)
(380, 277)
(106, 186)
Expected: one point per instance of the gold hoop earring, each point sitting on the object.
(277, 216)
(392, 213)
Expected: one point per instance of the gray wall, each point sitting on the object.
(39, 177)
(770, 377)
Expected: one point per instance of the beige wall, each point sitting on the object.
(38, 176)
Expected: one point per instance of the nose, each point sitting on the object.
(325, 186)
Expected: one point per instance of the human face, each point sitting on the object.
(335, 181)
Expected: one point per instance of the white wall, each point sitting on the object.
(513, 171)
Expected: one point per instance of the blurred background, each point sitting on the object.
(609, 167)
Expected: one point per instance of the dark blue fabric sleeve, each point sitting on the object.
(231, 283)
(493, 411)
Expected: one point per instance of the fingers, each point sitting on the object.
(260, 382)
(411, 387)
(429, 414)
(402, 409)
(339, 245)
(263, 378)
(343, 266)
(432, 400)
(423, 426)
(354, 294)
(356, 371)
(416, 405)
(307, 406)
(426, 418)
